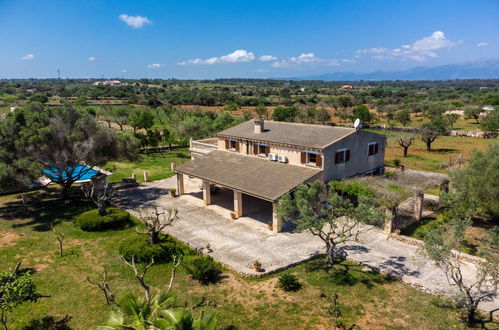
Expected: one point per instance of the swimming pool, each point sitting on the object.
(80, 173)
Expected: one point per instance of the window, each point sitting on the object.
(342, 156)
(372, 148)
(232, 144)
(262, 150)
(312, 158)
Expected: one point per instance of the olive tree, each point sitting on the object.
(15, 288)
(405, 141)
(325, 214)
(442, 246)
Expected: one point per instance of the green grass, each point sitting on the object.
(369, 299)
(445, 149)
(156, 163)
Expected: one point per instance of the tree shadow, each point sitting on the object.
(136, 198)
(49, 323)
(396, 268)
(44, 208)
(444, 150)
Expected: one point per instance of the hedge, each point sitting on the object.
(138, 246)
(114, 219)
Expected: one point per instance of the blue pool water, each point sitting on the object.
(78, 174)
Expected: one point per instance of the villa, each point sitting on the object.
(266, 159)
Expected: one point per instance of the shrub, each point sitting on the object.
(92, 221)
(203, 269)
(138, 246)
(289, 282)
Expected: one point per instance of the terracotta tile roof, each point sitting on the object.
(251, 175)
(301, 135)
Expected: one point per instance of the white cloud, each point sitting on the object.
(481, 44)
(303, 59)
(124, 70)
(155, 66)
(135, 21)
(28, 57)
(265, 58)
(236, 56)
(91, 59)
(419, 50)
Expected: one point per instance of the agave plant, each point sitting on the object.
(140, 314)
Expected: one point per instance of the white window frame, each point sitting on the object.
(344, 155)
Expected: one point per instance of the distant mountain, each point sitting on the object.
(471, 70)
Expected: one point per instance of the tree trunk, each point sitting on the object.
(153, 237)
(101, 206)
(428, 146)
(121, 127)
(65, 190)
(60, 248)
(330, 253)
(405, 151)
(470, 318)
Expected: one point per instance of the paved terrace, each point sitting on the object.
(237, 243)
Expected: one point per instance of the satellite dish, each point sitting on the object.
(356, 123)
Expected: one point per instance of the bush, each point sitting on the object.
(138, 246)
(203, 269)
(92, 221)
(289, 282)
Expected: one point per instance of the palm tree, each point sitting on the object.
(139, 314)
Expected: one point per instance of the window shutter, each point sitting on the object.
(303, 157)
(347, 155)
(226, 144)
(267, 150)
(318, 161)
(376, 148)
(237, 146)
(255, 149)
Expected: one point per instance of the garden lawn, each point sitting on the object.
(371, 300)
(445, 148)
(156, 163)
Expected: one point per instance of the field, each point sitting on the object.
(445, 149)
(370, 300)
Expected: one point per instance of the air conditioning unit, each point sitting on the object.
(272, 157)
(282, 159)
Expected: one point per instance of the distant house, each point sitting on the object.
(266, 159)
(109, 83)
(488, 108)
(346, 87)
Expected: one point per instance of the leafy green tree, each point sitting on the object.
(362, 112)
(34, 138)
(285, 113)
(325, 214)
(120, 116)
(451, 119)
(141, 119)
(153, 102)
(15, 289)
(323, 116)
(473, 113)
(344, 101)
(432, 130)
(81, 101)
(39, 97)
(476, 184)
(403, 117)
(262, 111)
(442, 246)
(490, 123)
(231, 107)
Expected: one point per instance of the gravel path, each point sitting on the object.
(237, 243)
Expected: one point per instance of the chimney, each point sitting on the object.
(259, 126)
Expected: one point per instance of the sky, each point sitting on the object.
(248, 39)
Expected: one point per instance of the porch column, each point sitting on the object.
(180, 184)
(276, 221)
(206, 193)
(238, 204)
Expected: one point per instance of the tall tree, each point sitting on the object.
(403, 117)
(362, 112)
(59, 141)
(473, 113)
